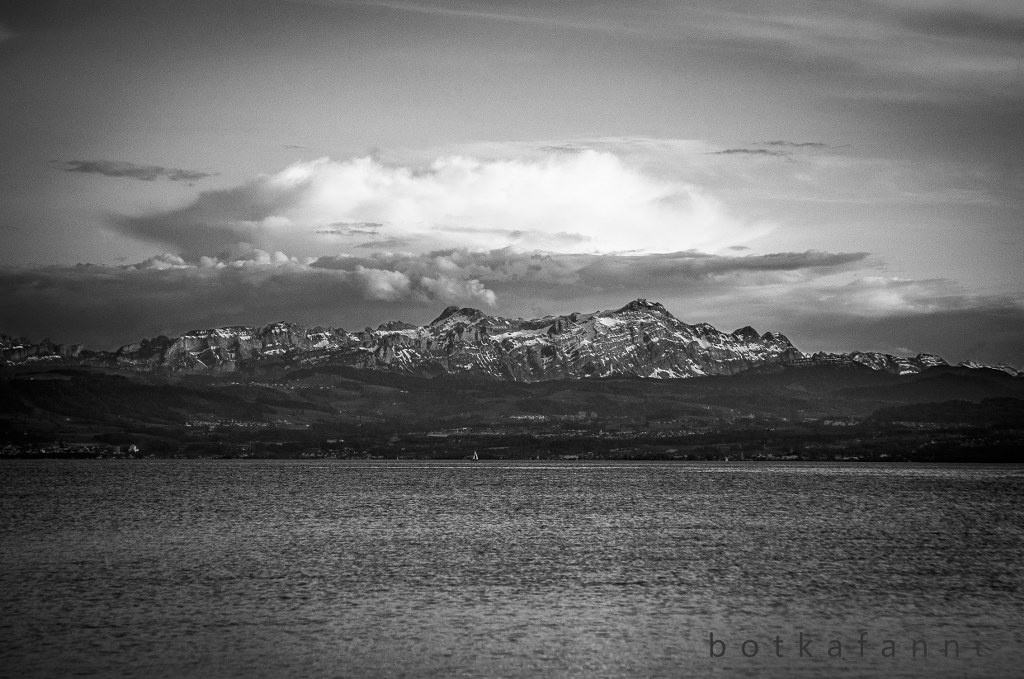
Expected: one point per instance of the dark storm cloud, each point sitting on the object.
(215, 222)
(116, 168)
(542, 273)
(503, 267)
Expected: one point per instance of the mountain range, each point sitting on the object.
(641, 339)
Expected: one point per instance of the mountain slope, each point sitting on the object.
(641, 339)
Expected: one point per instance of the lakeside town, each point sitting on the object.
(579, 436)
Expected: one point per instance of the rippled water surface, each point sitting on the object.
(244, 568)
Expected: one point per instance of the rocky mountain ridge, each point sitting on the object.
(641, 339)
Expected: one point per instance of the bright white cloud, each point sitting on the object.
(583, 202)
(162, 262)
(447, 287)
(428, 279)
(378, 284)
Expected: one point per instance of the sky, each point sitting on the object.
(848, 173)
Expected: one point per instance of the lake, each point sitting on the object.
(245, 568)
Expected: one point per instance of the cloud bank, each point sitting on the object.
(582, 202)
(516, 230)
(817, 298)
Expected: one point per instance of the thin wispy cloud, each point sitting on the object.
(122, 169)
(908, 51)
(384, 243)
(779, 148)
(351, 228)
(888, 314)
(796, 144)
(751, 152)
(528, 15)
(982, 22)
